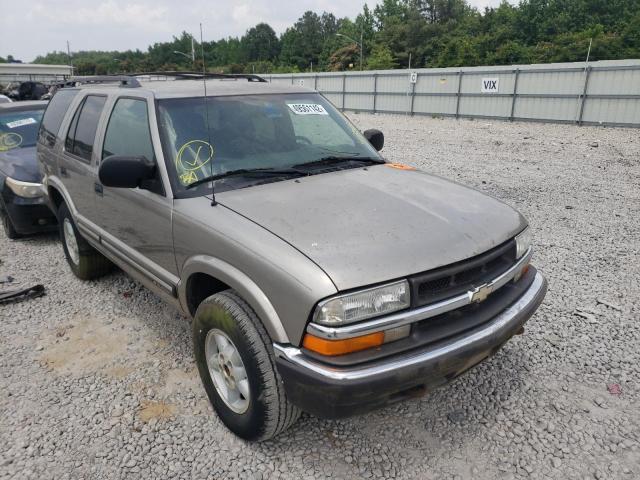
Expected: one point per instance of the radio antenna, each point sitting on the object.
(206, 116)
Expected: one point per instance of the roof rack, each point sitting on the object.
(199, 75)
(128, 81)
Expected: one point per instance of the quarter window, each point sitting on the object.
(128, 130)
(54, 114)
(82, 132)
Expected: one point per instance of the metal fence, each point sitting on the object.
(600, 93)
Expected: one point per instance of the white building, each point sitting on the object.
(20, 72)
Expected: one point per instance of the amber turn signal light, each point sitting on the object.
(341, 347)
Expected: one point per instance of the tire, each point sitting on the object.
(9, 230)
(85, 261)
(267, 411)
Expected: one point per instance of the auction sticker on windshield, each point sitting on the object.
(21, 123)
(307, 109)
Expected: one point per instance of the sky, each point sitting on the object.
(26, 33)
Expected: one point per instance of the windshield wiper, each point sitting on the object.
(337, 159)
(257, 172)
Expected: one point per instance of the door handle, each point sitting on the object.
(98, 188)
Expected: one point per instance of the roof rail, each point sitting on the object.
(199, 75)
(128, 81)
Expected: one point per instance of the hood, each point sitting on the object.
(21, 164)
(368, 226)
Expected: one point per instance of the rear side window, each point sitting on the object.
(54, 114)
(128, 130)
(82, 132)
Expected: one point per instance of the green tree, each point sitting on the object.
(381, 59)
(436, 33)
(302, 44)
(260, 43)
(389, 11)
(442, 11)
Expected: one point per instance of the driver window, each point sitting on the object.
(128, 130)
(128, 133)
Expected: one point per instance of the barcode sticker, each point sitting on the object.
(21, 123)
(307, 109)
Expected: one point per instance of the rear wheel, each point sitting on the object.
(85, 261)
(236, 363)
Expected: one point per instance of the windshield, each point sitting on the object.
(252, 132)
(19, 129)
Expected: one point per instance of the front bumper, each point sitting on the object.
(334, 392)
(28, 215)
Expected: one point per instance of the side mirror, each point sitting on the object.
(375, 138)
(126, 172)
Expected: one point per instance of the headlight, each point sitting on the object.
(24, 189)
(364, 304)
(523, 242)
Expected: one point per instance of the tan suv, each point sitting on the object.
(319, 276)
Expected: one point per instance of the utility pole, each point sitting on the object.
(361, 45)
(192, 57)
(70, 59)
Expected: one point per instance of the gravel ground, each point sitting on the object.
(97, 378)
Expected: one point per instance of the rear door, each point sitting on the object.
(76, 162)
(50, 136)
(134, 223)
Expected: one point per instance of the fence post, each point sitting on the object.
(515, 93)
(460, 74)
(315, 82)
(584, 94)
(375, 90)
(344, 81)
(413, 92)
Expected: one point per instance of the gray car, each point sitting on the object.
(319, 276)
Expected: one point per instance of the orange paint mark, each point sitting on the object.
(399, 166)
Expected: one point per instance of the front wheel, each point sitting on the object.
(236, 363)
(9, 230)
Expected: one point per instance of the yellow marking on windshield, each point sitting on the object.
(190, 160)
(188, 177)
(9, 141)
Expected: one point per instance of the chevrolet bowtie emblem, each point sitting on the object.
(480, 293)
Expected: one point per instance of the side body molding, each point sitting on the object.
(240, 282)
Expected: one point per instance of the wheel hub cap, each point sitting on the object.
(227, 371)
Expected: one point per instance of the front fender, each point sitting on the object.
(241, 283)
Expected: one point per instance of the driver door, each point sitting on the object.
(135, 223)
